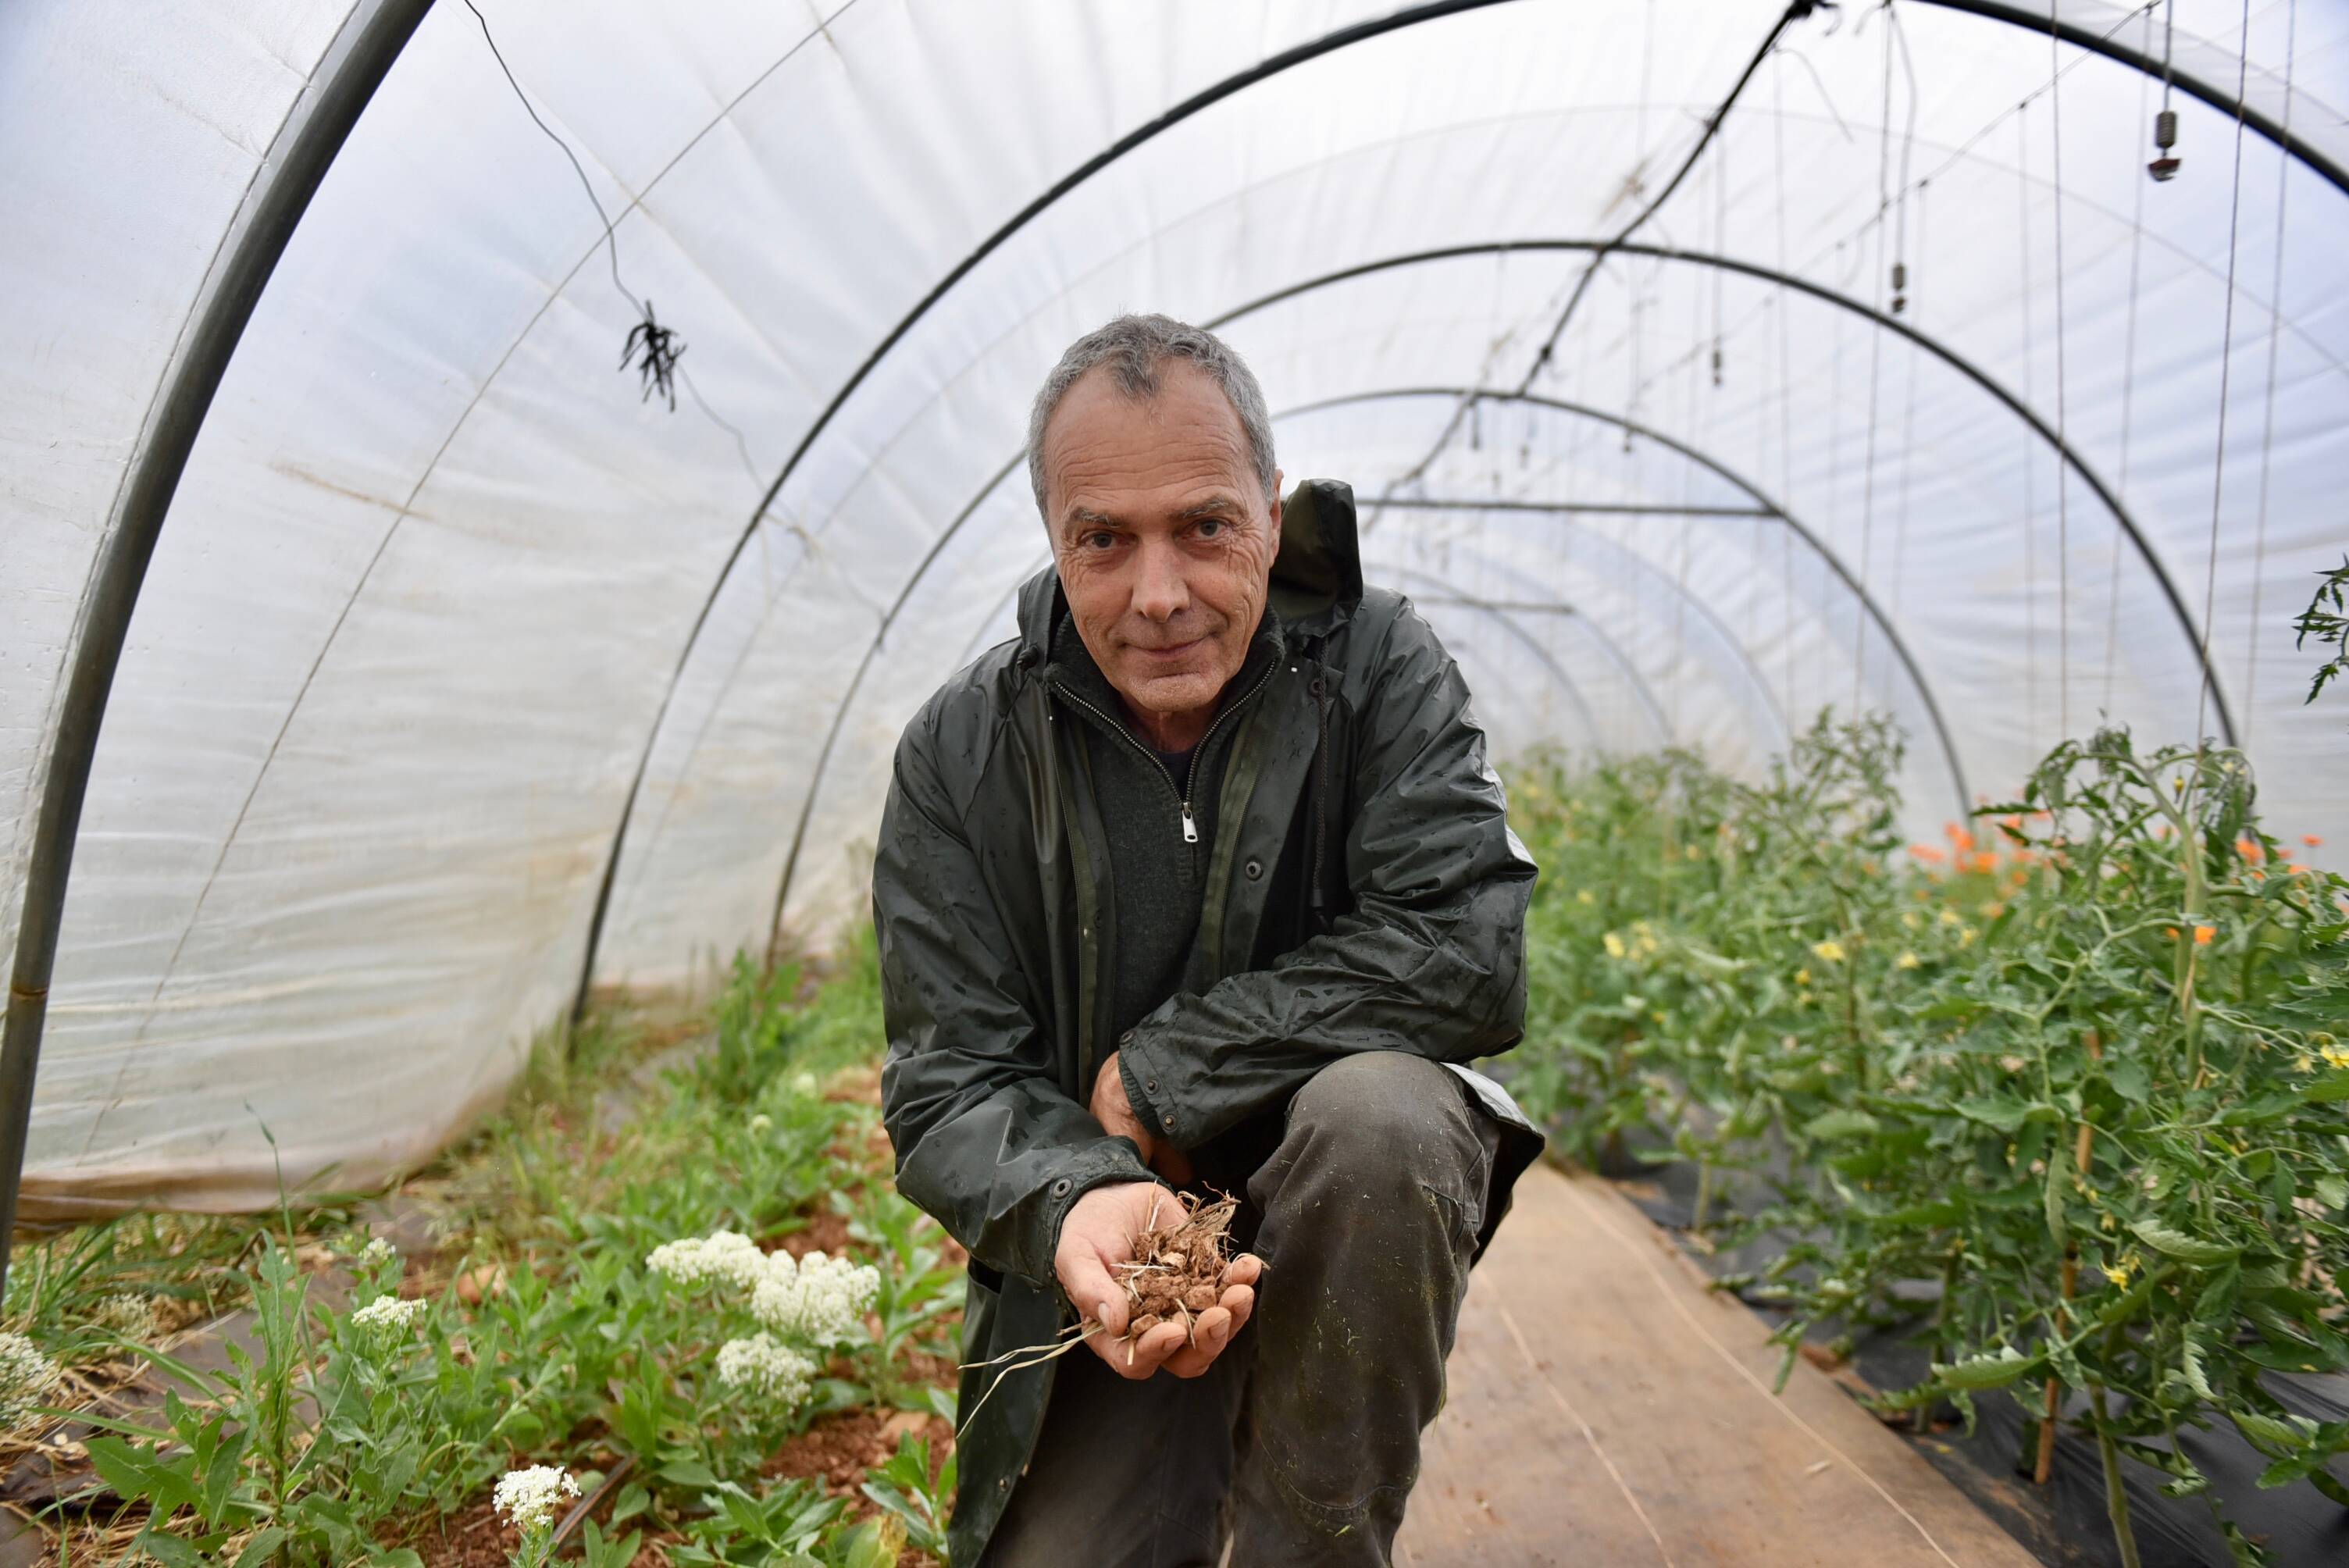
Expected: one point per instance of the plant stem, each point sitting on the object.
(2117, 1505)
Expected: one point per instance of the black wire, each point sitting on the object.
(1796, 11)
(577, 167)
(653, 349)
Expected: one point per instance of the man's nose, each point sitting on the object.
(1159, 591)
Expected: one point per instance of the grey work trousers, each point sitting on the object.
(1299, 1446)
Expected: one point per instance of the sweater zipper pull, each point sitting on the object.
(1190, 828)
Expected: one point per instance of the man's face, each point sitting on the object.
(1163, 539)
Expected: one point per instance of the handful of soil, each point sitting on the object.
(1177, 1269)
(1176, 1272)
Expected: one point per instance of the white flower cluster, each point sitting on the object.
(721, 1258)
(765, 1366)
(25, 1376)
(761, 1124)
(377, 1251)
(389, 1316)
(819, 1298)
(128, 1314)
(527, 1498)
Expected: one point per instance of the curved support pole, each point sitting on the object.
(1507, 617)
(2192, 84)
(1938, 350)
(304, 148)
(1713, 622)
(1770, 508)
(1452, 594)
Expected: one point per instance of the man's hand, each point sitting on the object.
(1115, 1113)
(1098, 1235)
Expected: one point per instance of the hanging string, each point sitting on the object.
(1786, 383)
(2030, 443)
(2062, 470)
(2226, 365)
(1908, 433)
(2267, 418)
(1875, 370)
(1835, 450)
(652, 348)
(2129, 389)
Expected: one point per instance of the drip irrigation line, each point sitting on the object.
(2030, 396)
(2062, 490)
(2128, 389)
(2226, 365)
(1785, 379)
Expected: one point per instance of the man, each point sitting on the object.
(1204, 880)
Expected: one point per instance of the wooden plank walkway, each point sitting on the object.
(1606, 1410)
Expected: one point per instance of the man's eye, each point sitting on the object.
(1208, 526)
(1099, 538)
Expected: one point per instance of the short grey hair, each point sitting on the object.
(1134, 348)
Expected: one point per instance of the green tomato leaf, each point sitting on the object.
(2179, 1244)
(1985, 1371)
(1840, 1123)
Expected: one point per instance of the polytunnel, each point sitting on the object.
(384, 668)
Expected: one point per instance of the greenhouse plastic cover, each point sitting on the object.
(438, 583)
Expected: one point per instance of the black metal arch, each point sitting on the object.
(1769, 507)
(1721, 635)
(1508, 619)
(312, 132)
(2188, 82)
(1933, 345)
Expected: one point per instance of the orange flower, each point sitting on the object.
(1985, 861)
(2014, 821)
(2249, 849)
(1960, 838)
(2170, 932)
(2203, 934)
(2312, 841)
(1926, 853)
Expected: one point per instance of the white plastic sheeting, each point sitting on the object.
(433, 587)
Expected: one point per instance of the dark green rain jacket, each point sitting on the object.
(1366, 894)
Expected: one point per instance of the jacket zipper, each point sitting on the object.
(1191, 770)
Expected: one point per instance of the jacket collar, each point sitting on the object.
(1317, 578)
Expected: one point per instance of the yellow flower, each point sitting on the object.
(1802, 998)
(1966, 937)
(1907, 920)
(1906, 960)
(1830, 950)
(2334, 1055)
(2119, 1271)
(1614, 945)
(1802, 976)
(1949, 917)
(1694, 852)
(2108, 1222)
(1657, 1016)
(1584, 896)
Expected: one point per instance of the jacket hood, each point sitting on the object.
(1317, 578)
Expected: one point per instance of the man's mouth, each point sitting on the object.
(1171, 651)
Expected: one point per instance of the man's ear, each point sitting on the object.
(1275, 509)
